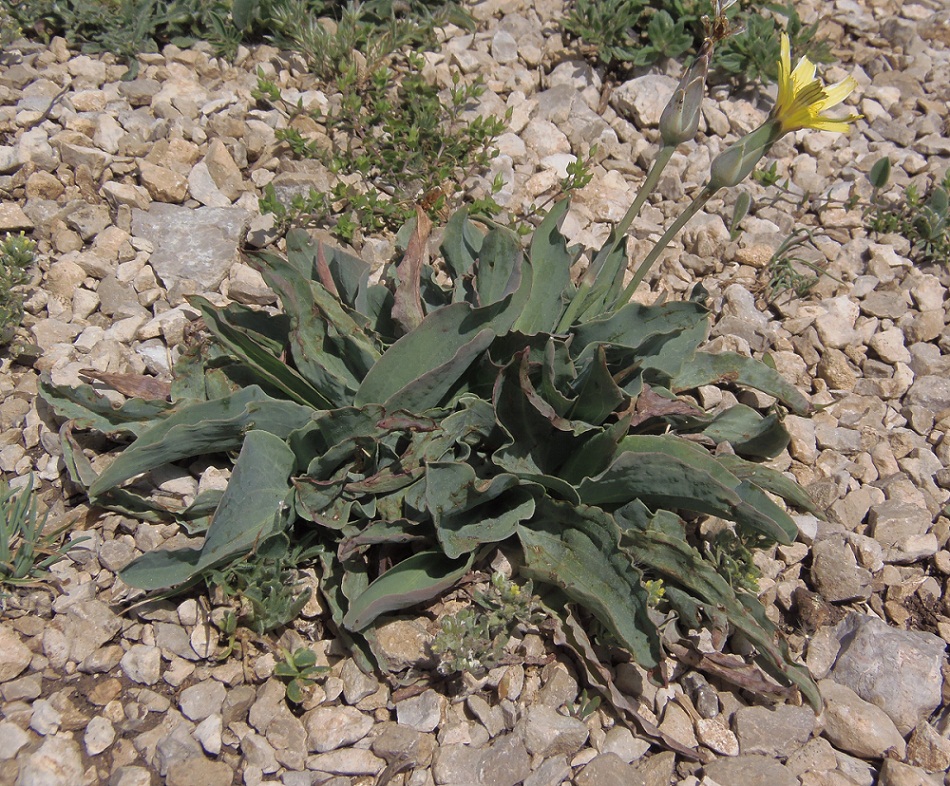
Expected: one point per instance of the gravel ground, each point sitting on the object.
(139, 193)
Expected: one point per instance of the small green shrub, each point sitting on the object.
(623, 33)
(408, 145)
(924, 219)
(17, 256)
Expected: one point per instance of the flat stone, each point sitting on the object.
(896, 773)
(393, 741)
(896, 670)
(201, 700)
(548, 733)
(12, 740)
(57, 762)
(199, 772)
(422, 712)
(931, 392)
(928, 749)
(347, 761)
(162, 184)
(643, 99)
(329, 728)
(750, 770)
(13, 219)
(199, 245)
(16, 655)
(607, 769)
(142, 664)
(836, 572)
(224, 172)
(857, 726)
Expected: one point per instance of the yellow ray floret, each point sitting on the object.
(802, 97)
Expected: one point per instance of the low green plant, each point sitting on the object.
(27, 549)
(641, 32)
(264, 585)
(479, 397)
(395, 130)
(473, 640)
(299, 668)
(924, 219)
(17, 256)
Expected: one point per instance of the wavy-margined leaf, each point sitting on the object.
(748, 432)
(267, 366)
(254, 507)
(671, 473)
(680, 564)
(419, 578)
(461, 244)
(90, 411)
(635, 326)
(439, 351)
(705, 368)
(770, 480)
(577, 550)
(500, 267)
(550, 275)
(304, 302)
(597, 394)
(468, 512)
(207, 427)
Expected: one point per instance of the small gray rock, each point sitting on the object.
(16, 655)
(142, 664)
(200, 772)
(57, 762)
(754, 770)
(607, 769)
(896, 670)
(643, 99)
(329, 728)
(857, 726)
(836, 572)
(199, 701)
(548, 733)
(896, 773)
(200, 245)
(422, 712)
(777, 732)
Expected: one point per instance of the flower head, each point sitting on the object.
(802, 97)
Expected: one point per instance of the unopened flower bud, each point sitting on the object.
(736, 162)
(680, 118)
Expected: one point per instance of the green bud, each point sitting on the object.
(736, 162)
(680, 118)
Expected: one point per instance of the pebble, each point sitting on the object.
(329, 728)
(857, 726)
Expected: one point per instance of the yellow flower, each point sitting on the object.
(802, 97)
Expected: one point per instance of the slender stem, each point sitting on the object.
(616, 236)
(621, 228)
(701, 199)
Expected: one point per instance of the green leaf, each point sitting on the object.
(705, 368)
(550, 275)
(468, 512)
(669, 472)
(89, 410)
(419, 578)
(577, 550)
(748, 432)
(461, 244)
(770, 480)
(207, 427)
(597, 393)
(440, 350)
(880, 173)
(254, 507)
(679, 563)
(498, 271)
(270, 368)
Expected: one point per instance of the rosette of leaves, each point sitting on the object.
(406, 429)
